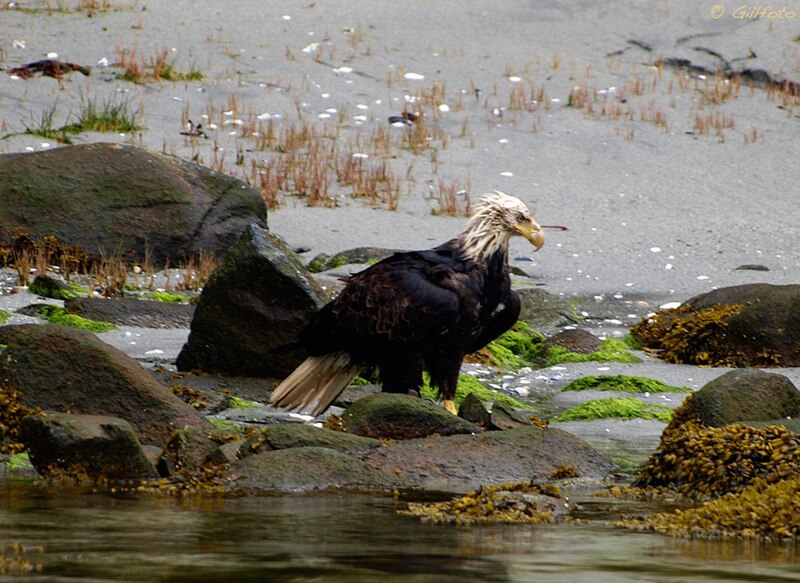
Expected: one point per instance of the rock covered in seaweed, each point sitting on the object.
(744, 325)
(707, 450)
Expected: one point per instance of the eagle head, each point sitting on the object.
(497, 217)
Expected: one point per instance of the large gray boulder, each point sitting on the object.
(464, 462)
(110, 198)
(256, 301)
(56, 368)
(305, 469)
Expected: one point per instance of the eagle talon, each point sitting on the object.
(450, 406)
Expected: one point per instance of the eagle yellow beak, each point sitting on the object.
(532, 232)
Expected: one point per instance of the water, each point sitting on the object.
(341, 538)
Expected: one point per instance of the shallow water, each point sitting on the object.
(347, 538)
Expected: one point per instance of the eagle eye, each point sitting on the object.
(520, 217)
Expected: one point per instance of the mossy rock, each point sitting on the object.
(746, 325)
(131, 312)
(124, 199)
(52, 287)
(188, 449)
(623, 384)
(392, 416)
(58, 315)
(615, 408)
(611, 350)
(738, 396)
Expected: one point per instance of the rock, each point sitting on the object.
(504, 417)
(291, 435)
(544, 310)
(741, 395)
(304, 469)
(743, 325)
(473, 410)
(257, 300)
(188, 449)
(393, 416)
(323, 262)
(132, 312)
(50, 286)
(92, 446)
(64, 369)
(460, 463)
(575, 340)
(109, 197)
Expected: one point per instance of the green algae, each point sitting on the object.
(19, 462)
(627, 408)
(224, 424)
(516, 347)
(58, 315)
(4, 316)
(239, 403)
(74, 291)
(623, 384)
(169, 297)
(611, 350)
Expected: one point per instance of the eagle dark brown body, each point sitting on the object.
(415, 311)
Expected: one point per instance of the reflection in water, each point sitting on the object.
(343, 538)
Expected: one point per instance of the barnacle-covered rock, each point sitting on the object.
(518, 502)
(761, 510)
(745, 325)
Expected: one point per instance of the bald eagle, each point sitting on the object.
(415, 311)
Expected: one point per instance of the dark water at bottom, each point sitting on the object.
(345, 538)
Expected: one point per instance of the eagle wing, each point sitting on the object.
(407, 301)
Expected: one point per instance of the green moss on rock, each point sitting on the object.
(615, 409)
(4, 316)
(610, 351)
(623, 384)
(57, 315)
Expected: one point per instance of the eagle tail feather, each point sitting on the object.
(315, 384)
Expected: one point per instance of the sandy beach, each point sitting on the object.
(668, 178)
